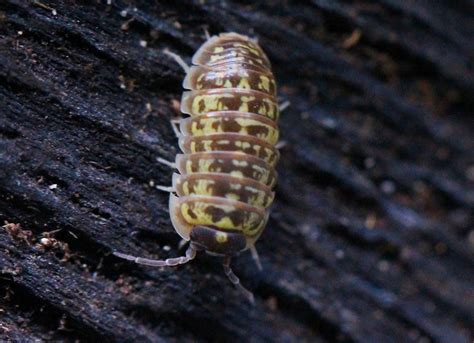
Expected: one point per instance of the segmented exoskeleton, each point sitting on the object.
(220, 199)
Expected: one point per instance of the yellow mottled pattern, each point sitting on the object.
(207, 128)
(232, 196)
(200, 77)
(236, 173)
(221, 237)
(244, 106)
(214, 58)
(261, 174)
(243, 83)
(189, 167)
(258, 199)
(197, 213)
(248, 47)
(205, 166)
(209, 102)
(207, 145)
(268, 108)
(235, 186)
(203, 187)
(243, 145)
(254, 224)
(238, 163)
(186, 187)
(230, 80)
(218, 57)
(264, 83)
(271, 136)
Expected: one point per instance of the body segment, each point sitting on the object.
(236, 76)
(244, 190)
(248, 124)
(199, 102)
(230, 142)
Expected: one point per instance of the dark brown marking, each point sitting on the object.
(207, 238)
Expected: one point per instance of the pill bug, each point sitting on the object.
(220, 199)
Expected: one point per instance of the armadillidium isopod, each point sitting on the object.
(220, 199)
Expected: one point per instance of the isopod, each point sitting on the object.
(220, 199)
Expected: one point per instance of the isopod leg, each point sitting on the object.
(190, 255)
(235, 280)
(165, 189)
(166, 162)
(280, 145)
(178, 60)
(284, 105)
(175, 126)
(206, 33)
(182, 243)
(255, 257)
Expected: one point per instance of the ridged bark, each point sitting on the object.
(371, 236)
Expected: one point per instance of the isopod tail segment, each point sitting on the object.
(173, 189)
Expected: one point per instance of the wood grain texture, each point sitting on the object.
(371, 237)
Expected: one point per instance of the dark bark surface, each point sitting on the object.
(371, 236)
